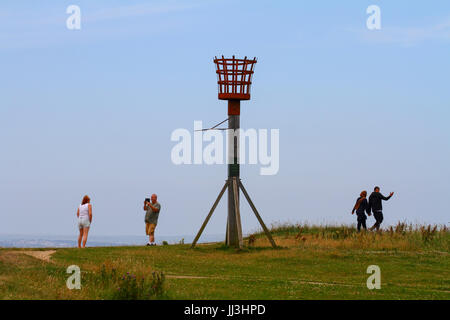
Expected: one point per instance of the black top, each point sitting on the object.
(363, 207)
(375, 201)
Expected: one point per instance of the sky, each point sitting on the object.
(91, 111)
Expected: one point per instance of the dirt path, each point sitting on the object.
(176, 276)
(41, 255)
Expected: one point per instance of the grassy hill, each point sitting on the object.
(311, 263)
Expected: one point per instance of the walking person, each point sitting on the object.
(376, 206)
(84, 215)
(361, 207)
(152, 209)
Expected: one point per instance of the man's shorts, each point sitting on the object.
(150, 229)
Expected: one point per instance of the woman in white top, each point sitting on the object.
(84, 214)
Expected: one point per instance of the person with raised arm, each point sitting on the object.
(376, 206)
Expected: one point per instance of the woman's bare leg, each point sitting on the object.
(85, 236)
(80, 236)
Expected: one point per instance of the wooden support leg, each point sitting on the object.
(209, 214)
(238, 214)
(261, 222)
(226, 234)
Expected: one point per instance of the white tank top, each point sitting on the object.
(84, 210)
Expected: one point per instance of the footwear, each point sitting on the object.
(148, 244)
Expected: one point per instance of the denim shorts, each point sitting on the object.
(83, 223)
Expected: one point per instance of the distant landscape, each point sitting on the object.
(55, 241)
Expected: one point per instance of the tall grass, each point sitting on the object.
(402, 236)
(127, 286)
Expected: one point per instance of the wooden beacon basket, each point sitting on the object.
(234, 77)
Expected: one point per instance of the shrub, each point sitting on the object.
(251, 240)
(132, 288)
(428, 233)
(129, 286)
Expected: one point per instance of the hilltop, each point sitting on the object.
(310, 263)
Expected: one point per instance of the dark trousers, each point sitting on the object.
(361, 222)
(378, 215)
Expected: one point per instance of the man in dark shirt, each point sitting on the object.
(376, 206)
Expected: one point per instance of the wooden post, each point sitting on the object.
(261, 222)
(232, 232)
(209, 214)
(237, 213)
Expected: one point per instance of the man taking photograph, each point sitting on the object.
(152, 209)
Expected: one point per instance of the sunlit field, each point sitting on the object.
(312, 262)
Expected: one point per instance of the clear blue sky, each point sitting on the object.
(91, 111)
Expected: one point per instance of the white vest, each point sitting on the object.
(84, 210)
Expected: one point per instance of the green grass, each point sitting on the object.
(317, 263)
